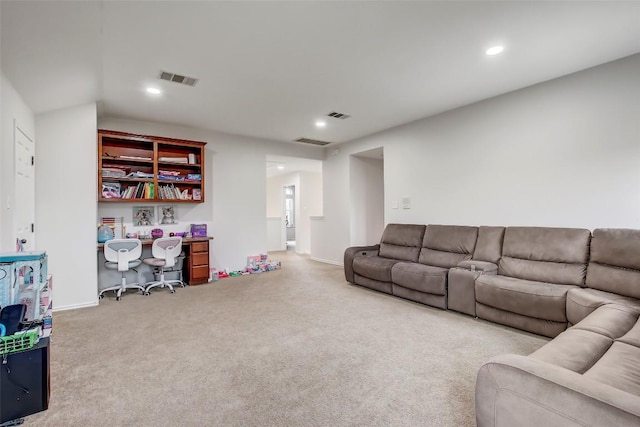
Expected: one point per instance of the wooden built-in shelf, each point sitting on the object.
(142, 153)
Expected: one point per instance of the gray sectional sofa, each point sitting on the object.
(580, 288)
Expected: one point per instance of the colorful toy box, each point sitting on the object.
(24, 274)
(198, 230)
(8, 286)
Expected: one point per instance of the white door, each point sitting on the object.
(25, 188)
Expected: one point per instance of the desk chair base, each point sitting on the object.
(122, 287)
(162, 283)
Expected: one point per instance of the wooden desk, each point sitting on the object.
(196, 262)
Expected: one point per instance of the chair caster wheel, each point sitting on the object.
(173, 291)
(100, 296)
(117, 298)
(145, 293)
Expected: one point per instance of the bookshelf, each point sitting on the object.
(143, 168)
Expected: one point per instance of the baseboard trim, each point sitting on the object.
(74, 306)
(326, 261)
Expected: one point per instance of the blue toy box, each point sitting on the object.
(22, 276)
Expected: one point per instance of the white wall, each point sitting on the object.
(310, 197)
(12, 108)
(276, 240)
(236, 197)
(366, 185)
(560, 153)
(66, 202)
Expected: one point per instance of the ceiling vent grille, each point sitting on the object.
(312, 141)
(177, 78)
(337, 115)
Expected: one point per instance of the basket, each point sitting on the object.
(20, 341)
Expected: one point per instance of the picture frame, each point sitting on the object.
(143, 216)
(167, 214)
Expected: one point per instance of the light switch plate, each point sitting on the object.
(394, 205)
(406, 203)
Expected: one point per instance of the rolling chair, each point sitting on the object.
(165, 252)
(122, 255)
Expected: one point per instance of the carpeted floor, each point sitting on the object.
(293, 347)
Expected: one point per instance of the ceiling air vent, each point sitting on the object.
(340, 116)
(177, 78)
(312, 141)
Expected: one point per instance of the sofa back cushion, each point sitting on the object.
(489, 244)
(447, 245)
(553, 255)
(615, 261)
(402, 241)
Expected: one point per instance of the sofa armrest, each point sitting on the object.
(473, 265)
(351, 253)
(523, 391)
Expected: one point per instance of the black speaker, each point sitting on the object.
(24, 382)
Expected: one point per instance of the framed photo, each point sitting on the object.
(143, 215)
(167, 214)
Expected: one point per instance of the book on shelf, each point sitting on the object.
(139, 174)
(174, 159)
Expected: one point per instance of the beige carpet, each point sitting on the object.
(294, 347)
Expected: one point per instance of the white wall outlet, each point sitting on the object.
(406, 203)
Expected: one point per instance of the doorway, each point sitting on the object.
(25, 189)
(289, 197)
(294, 195)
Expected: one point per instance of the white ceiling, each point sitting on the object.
(270, 69)
(291, 165)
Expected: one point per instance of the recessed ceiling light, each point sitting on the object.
(153, 90)
(494, 50)
(280, 167)
(321, 124)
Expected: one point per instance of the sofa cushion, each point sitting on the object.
(611, 320)
(374, 267)
(447, 245)
(583, 301)
(632, 337)
(619, 367)
(547, 328)
(615, 261)
(543, 271)
(489, 244)
(419, 277)
(372, 284)
(574, 349)
(554, 255)
(534, 299)
(402, 242)
(433, 300)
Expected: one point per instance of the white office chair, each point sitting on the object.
(165, 251)
(122, 255)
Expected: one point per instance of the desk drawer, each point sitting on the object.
(200, 259)
(200, 272)
(200, 247)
